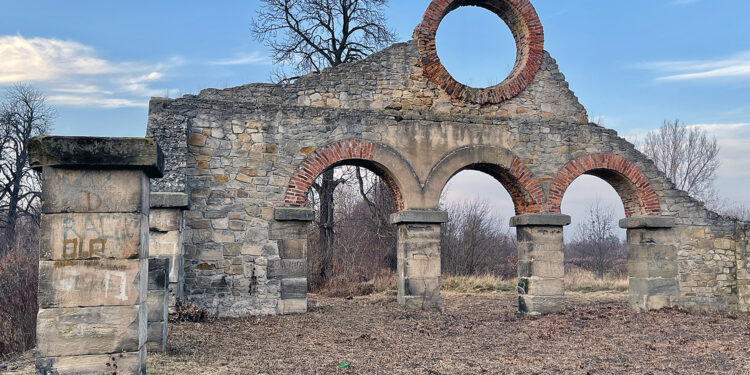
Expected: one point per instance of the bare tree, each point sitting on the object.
(314, 34)
(23, 114)
(473, 241)
(687, 155)
(596, 245)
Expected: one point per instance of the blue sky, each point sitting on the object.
(633, 64)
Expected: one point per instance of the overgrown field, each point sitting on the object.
(477, 333)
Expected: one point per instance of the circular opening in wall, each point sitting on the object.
(476, 47)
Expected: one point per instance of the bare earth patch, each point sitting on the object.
(476, 333)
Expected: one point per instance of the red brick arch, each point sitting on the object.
(634, 188)
(523, 21)
(354, 151)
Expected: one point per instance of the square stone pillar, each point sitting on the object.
(541, 267)
(158, 304)
(93, 252)
(289, 230)
(165, 240)
(418, 253)
(652, 261)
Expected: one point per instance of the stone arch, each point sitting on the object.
(384, 161)
(524, 23)
(633, 187)
(500, 163)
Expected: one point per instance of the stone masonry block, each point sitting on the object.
(422, 286)
(169, 200)
(164, 243)
(97, 153)
(293, 214)
(157, 337)
(654, 286)
(287, 268)
(126, 363)
(158, 302)
(419, 216)
(422, 267)
(106, 282)
(90, 330)
(541, 268)
(540, 220)
(292, 306)
(537, 305)
(294, 288)
(281, 230)
(90, 236)
(165, 219)
(538, 286)
(158, 273)
(82, 191)
(293, 248)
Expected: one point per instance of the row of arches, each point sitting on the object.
(410, 192)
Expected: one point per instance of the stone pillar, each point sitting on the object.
(418, 253)
(652, 261)
(743, 268)
(158, 304)
(541, 267)
(93, 252)
(290, 269)
(165, 241)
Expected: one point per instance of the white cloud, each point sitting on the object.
(254, 58)
(76, 76)
(733, 140)
(736, 66)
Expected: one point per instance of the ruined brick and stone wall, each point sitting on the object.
(241, 152)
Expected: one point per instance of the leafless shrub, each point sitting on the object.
(18, 290)
(596, 246)
(474, 242)
(186, 311)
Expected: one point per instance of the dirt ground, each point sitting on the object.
(476, 333)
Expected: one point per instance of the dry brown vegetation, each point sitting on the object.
(477, 333)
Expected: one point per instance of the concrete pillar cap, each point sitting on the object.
(634, 222)
(542, 220)
(293, 214)
(419, 216)
(97, 153)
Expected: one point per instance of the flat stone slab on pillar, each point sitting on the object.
(169, 200)
(419, 216)
(647, 222)
(293, 214)
(553, 220)
(97, 153)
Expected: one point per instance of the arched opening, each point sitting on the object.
(595, 248)
(351, 243)
(478, 251)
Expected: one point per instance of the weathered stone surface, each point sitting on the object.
(165, 220)
(293, 214)
(538, 305)
(292, 306)
(292, 288)
(105, 282)
(94, 191)
(654, 287)
(293, 248)
(287, 268)
(647, 222)
(169, 200)
(164, 243)
(158, 273)
(540, 220)
(90, 330)
(419, 216)
(97, 153)
(93, 235)
(157, 337)
(157, 305)
(125, 363)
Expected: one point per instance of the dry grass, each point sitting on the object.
(476, 333)
(580, 280)
(477, 284)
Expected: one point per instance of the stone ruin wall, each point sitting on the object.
(234, 152)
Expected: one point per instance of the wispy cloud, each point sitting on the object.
(254, 58)
(76, 76)
(736, 66)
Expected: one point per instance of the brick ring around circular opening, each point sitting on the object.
(523, 21)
